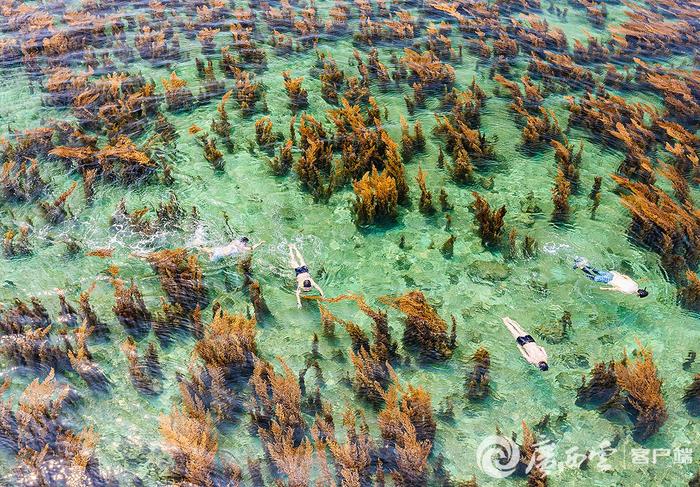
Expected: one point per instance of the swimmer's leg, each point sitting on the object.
(513, 327)
(300, 257)
(589, 271)
(292, 257)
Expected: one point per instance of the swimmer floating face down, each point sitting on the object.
(531, 351)
(614, 280)
(304, 280)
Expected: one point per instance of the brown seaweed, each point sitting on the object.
(531, 459)
(277, 408)
(144, 377)
(82, 363)
(173, 319)
(298, 96)
(445, 204)
(376, 198)
(258, 301)
(428, 70)
(462, 170)
(600, 388)
(557, 69)
(263, 133)
(55, 212)
(22, 182)
(541, 130)
(490, 221)
(407, 427)
(425, 329)
(689, 293)
(353, 458)
(222, 125)
(477, 383)
(212, 154)
(460, 137)
(229, 344)
(691, 396)
(568, 161)
(35, 349)
(411, 143)
(594, 195)
(664, 226)
(447, 249)
(131, 309)
(426, 198)
(283, 162)
(315, 162)
(20, 317)
(560, 197)
(332, 79)
(631, 385)
(641, 388)
(193, 443)
(17, 244)
(180, 277)
(47, 447)
(365, 144)
(177, 95)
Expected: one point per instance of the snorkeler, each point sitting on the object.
(234, 247)
(304, 280)
(532, 352)
(615, 281)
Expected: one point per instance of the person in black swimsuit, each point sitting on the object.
(304, 280)
(530, 350)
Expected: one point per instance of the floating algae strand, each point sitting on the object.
(439, 164)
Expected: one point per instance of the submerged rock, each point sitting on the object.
(489, 270)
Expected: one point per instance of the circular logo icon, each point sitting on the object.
(498, 456)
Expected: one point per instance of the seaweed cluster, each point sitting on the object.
(632, 386)
(424, 328)
(490, 221)
(145, 372)
(181, 279)
(477, 382)
(229, 344)
(130, 308)
(48, 448)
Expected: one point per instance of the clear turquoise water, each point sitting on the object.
(476, 285)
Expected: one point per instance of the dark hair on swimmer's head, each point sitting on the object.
(307, 283)
(543, 366)
(245, 240)
(642, 293)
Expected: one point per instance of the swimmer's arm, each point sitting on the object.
(257, 245)
(608, 288)
(298, 293)
(318, 288)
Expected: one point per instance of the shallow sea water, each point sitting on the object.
(476, 285)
